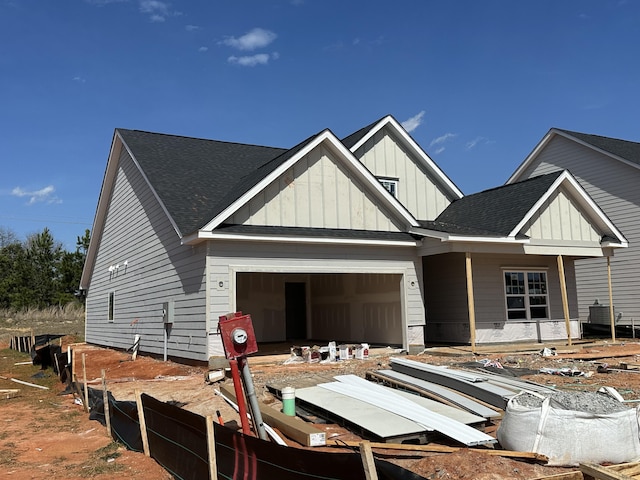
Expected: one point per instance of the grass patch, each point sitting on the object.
(7, 456)
(102, 462)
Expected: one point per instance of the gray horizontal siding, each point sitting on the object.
(613, 185)
(159, 269)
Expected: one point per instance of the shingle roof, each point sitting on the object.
(194, 177)
(493, 212)
(317, 232)
(355, 137)
(622, 148)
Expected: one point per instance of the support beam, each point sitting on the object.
(611, 306)
(565, 300)
(470, 302)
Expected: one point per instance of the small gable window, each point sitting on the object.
(390, 184)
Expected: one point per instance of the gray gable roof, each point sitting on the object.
(493, 212)
(269, 230)
(355, 137)
(195, 177)
(622, 148)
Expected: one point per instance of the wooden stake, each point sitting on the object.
(105, 402)
(143, 424)
(211, 449)
(86, 387)
(611, 313)
(565, 300)
(471, 302)
(368, 462)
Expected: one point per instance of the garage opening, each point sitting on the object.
(322, 307)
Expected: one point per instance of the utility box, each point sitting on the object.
(238, 337)
(167, 312)
(599, 314)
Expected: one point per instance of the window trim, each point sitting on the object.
(527, 305)
(111, 306)
(390, 181)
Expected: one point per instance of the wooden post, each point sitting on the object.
(143, 424)
(368, 462)
(565, 300)
(211, 449)
(33, 341)
(611, 306)
(105, 402)
(86, 388)
(470, 302)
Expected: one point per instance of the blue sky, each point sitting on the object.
(478, 83)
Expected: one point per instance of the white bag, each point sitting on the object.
(568, 436)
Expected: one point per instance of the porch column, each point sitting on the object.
(565, 300)
(611, 312)
(470, 302)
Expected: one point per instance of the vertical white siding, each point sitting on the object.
(613, 185)
(384, 156)
(316, 192)
(561, 219)
(158, 269)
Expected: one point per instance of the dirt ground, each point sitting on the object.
(44, 434)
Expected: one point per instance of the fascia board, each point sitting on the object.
(213, 235)
(447, 237)
(352, 162)
(104, 199)
(411, 143)
(597, 149)
(531, 157)
(101, 210)
(581, 196)
(547, 138)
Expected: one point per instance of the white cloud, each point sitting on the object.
(79, 79)
(473, 143)
(192, 28)
(256, 38)
(442, 139)
(45, 195)
(157, 10)
(203, 49)
(439, 150)
(251, 60)
(414, 122)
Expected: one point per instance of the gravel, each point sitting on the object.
(589, 402)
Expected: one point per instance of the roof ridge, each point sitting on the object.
(187, 137)
(574, 133)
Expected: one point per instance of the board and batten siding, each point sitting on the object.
(560, 219)
(152, 268)
(295, 261)
(317, 192)
(385, 156)
(446, 294)
(613, 185)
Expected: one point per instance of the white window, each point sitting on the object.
(111, 311)
(390, 184)
(526, 295)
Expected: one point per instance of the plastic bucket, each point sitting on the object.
(289, 401)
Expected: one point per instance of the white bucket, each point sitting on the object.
(289, 401)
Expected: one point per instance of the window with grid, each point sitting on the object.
(526, 295)
(390, 184)
(111, 312)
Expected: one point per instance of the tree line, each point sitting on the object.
(38, 272)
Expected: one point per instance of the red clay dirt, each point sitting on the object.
(47, 435)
